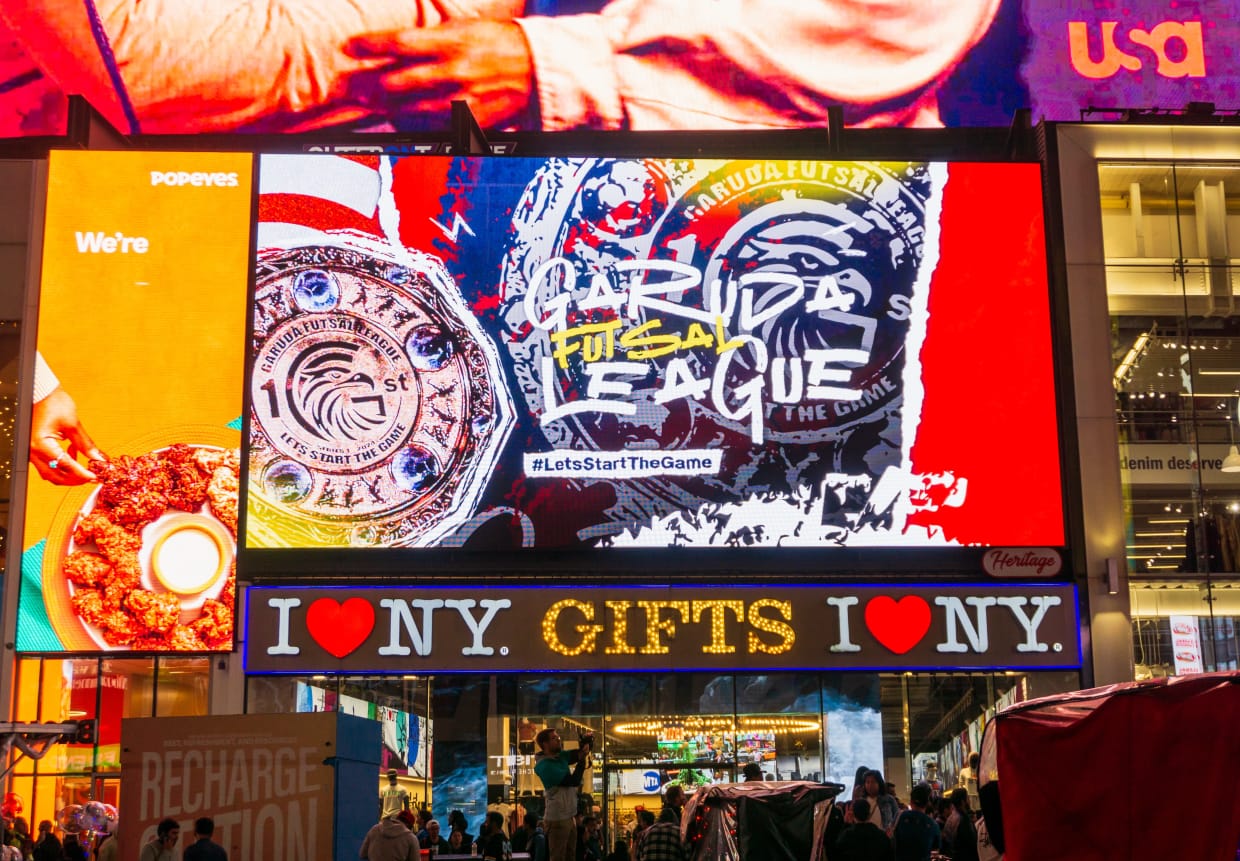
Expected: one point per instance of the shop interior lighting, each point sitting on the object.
(1196, 168)
(1133, 356)
(693, 725)
(1231, 463)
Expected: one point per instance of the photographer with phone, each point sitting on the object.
(560, 772)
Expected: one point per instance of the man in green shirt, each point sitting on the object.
(561, 785)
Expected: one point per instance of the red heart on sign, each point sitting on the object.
(898, 625)
(340, 628)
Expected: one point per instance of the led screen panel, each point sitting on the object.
(598, 353)
(131, 501)
(242, 65)
(30, 102)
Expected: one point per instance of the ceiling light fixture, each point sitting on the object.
(1231, 463)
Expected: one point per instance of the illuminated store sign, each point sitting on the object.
(605, 65)
(402, 630)
(132, 498)
(586, 353)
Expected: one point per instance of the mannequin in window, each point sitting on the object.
(394, 798)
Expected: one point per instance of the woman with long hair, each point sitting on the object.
(959, 830)
(883, 807)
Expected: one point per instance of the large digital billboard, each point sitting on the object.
(603, 353)
(177, 66)
(132, 497)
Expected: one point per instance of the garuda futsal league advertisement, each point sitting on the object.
(593, 353)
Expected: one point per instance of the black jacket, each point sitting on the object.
(864, 841)
(48, 848)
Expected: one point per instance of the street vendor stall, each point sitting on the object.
(1089, 774)
(781, 820)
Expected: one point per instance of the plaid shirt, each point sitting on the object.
(661, 842)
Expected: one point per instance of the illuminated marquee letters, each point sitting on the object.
(633, 628)
(660, 626)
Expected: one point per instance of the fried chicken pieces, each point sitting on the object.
(133, 492)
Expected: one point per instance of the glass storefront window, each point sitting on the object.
(124, 688)
(852, 716)
(779, 726)
(476, 733)
(78, 700)
(629, 699)
(291, 694)
(1182, 628)
(1171, 237)
(1142, 223)
(106, 690)
(182, 686)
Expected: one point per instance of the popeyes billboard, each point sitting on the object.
(132, 493)
(499, 354)
(556, 64)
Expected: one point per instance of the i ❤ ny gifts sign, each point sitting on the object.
(404, 629)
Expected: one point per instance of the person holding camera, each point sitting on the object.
(560, 772)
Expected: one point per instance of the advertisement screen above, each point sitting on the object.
(132, 498)
(394, 65)
(598, 353)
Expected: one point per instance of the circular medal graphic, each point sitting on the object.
(374, 405)
(345, 398)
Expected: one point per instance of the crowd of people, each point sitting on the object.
(403, 834)
(875, 826)
(19, 845)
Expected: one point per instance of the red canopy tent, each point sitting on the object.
(1144, 770)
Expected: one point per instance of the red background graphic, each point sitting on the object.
(989, 413)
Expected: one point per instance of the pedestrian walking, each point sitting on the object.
(204, 848)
